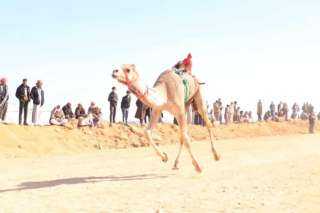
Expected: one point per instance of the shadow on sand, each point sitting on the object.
(80, 180)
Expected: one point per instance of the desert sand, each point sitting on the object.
(20, 141)
(255, 174)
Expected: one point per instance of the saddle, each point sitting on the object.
(183, 75)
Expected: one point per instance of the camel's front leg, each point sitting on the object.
(153, 123)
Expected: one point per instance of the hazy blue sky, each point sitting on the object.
(243, 50)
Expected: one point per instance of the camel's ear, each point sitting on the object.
(133, 66)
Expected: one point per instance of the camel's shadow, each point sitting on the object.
(80, 180)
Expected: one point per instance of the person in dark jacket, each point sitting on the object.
(67, 111)
(113, 100)
(141, 111)
(80, 111)
(23, 95)
(37, 96)
(4, 97)
(125, 105)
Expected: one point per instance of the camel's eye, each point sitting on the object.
(127, 70)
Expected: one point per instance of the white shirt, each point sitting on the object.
(39, 93)
(26, 91)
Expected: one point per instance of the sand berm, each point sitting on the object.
(30, 141)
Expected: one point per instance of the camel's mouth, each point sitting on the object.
(114, 75)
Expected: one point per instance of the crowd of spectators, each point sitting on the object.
(219, 113)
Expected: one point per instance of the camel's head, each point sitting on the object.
(127, 74)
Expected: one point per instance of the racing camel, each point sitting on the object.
(172, 92)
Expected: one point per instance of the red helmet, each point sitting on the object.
(187, 61)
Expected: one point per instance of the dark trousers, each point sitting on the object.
(23, 109)
(125, 114)
(259, 117)
(113, 111)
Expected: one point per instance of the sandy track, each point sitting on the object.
(271, 174)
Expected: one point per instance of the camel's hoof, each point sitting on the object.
(175, 168)
(197, 167)
(216, 157)
(165, 158)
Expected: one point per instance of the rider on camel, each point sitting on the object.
(185, 66)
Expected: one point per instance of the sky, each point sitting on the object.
(244, 50)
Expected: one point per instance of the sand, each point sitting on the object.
(257, 174)
(19, 141)
(54, 169)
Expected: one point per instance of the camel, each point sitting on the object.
(168, 94)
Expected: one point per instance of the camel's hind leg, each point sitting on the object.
(199, 105)
(176, 162)
(185, 139)
(153, 123)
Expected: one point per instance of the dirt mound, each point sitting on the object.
(20, 141)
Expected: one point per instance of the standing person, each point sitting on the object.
(238, 115)
(113, 100)
(140, 113)
(280, 112)
(285, 110)
(125, 105)
(216, 111)
(312, 121)
(23, 95)
(37, 96)
(197, 118)
(231, 112)
(220, 110)
(235, 107)
(147, 115)
(259, 110)
(4, 97)
(295, 111)
(227, 114)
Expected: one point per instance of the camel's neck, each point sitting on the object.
(140, 91)
(145, 94)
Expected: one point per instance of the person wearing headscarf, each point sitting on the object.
(80, 111)
(57, 117)
(4, 97)
(141, 111)
(37, 96)
(67, 110)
